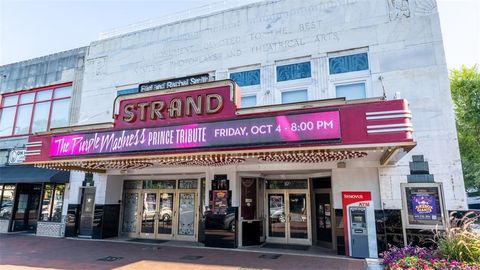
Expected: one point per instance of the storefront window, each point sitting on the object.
(52, 202)
(7, 193)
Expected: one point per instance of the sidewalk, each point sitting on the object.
(34, 252)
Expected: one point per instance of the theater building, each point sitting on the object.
(276, 123)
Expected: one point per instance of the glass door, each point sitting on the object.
(323, 219)
(186, 216)
(165, 215)
(297, 218)
(276, 217)
(288, 217)
(130, 213)
(149, 214)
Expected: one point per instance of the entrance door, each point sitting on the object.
(131, 213)
(186, 216)
(165, 215)
(26, 207)
(149, 214)
(88, 208)
(323, 219)
(168, 215)
(288, 217)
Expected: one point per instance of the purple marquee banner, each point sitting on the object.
(245, 132)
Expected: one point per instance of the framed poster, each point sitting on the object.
(220, 202)
(423, 206)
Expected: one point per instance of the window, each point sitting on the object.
(35, 111)
(249, 101)
(127, 91)
(351, 91)
(348, 63)
(52, 202)
(246, 78)
(294, 96)
(6, 201)
(293, 72)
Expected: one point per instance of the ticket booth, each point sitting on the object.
(359, 224)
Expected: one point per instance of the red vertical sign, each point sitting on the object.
(349, 197)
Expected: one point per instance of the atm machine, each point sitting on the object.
(360, 228)
(359, 232)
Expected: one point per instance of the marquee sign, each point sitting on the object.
(168, 84)
(165, 109)
(317, 126)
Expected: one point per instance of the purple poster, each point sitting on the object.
(424, 207)
(263, 130)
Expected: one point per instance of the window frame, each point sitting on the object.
(364, 80)
(281, 91)
(293, 85)
(254, 94)
(51, 202)
(52, 99)
(361, 76)
(406, 211)
(14, 194)
(249, 90)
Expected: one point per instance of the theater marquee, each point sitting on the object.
(296, 128)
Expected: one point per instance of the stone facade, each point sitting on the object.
(405, 55)
(52, 229)
(3, 226)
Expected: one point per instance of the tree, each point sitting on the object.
(465, 87)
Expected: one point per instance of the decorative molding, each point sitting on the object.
(398, 9)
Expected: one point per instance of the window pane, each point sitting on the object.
(27, 98)
(9, 101)
(6, 121)
(44, 95)
(159, 184)
(294, 96)
(47, 202)
(249, 101)
(40, 116)
(188, 184)
(58, 203)
(348, 63)
(7, 204)
(63, 92)
(351, 91)
(24, 115)
(60, 113)
(293, 72)
(246, 78)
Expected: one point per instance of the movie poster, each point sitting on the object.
(424, 207)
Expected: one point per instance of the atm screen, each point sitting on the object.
(358, 218)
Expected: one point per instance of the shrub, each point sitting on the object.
(459, 241)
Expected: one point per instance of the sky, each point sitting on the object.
(33, 28)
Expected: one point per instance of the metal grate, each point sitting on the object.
(110, 259)
(270, 256)
(191, 257)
